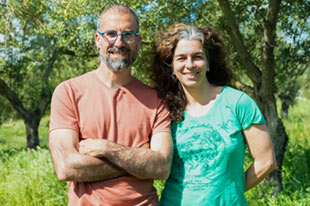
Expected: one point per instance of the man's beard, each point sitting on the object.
(119, 63)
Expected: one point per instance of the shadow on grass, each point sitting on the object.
(6, 154)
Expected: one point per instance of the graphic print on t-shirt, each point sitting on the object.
(199, 154)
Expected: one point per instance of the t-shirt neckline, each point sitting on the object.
(121, 87)
(211, 109)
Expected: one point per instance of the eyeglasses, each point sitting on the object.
(111, 36)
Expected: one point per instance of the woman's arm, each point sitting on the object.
(260, 145)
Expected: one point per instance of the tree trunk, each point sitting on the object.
(32, 128)
(285, 106)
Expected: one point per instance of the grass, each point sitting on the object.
(13, 134)
(28, 178)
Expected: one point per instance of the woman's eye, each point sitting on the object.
(180, 59)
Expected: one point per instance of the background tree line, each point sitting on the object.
(43, 42)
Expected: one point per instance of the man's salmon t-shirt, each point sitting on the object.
(129, 115)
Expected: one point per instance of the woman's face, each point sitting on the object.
(190, 63)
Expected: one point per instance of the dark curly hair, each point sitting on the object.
(167, 85)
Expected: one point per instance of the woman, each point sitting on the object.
(212, 122)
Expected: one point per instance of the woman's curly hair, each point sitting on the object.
(167, 85)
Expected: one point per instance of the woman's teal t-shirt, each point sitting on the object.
(209, 152)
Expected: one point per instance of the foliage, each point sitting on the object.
(42, 43)
(305, 82)
(28, 178)
(35, 35)
(292, 51)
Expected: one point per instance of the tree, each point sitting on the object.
(35, 38)
(292, 51)
(253, 36)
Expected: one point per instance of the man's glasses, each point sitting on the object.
(111, 36)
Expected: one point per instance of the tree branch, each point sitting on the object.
(35, 20)
(45, 93)
(237, 40)
(49, 66)
(13, 98)
(268, 61)
(73, 53)
(301, 70)
(243, 87)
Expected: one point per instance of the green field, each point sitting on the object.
(27, 176)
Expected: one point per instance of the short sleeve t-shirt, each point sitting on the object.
(129, 115)
(209, 152)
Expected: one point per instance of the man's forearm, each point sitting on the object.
(83, 168)
(70, 165)
(140, 162)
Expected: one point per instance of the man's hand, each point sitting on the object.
(93, 147)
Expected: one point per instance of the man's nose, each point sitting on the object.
(119, 41)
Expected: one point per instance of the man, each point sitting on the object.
(109, 133)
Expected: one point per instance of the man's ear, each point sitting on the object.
(97, 40)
